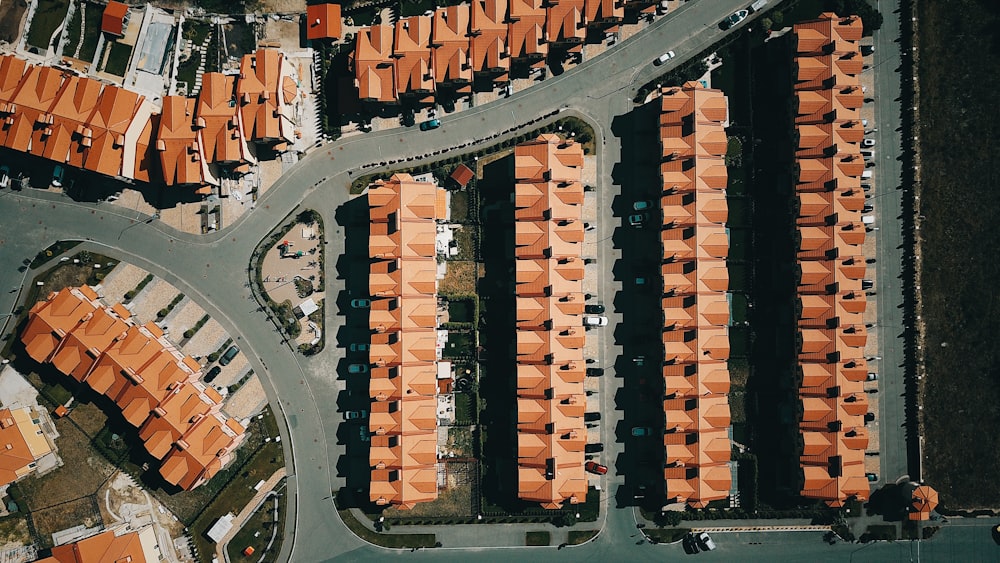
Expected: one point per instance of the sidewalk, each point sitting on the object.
(248, 510)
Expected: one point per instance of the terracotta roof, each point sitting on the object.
(563, 20)
(488, 45)
(412, 55)
(221, 123)
(113, 20)
(828, 33)
(603, 13)
(526, 37)
(16, 457)
(262, 102)
(202, 451)
(81, 348)
(323, 21)
(404, 488)
(462, 174)
(49, 321)
(450, 46)
(182, 159)
(373, 64)
(924, 501)
(104, 547)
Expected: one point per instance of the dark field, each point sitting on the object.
(959, 46)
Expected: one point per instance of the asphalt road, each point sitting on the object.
(889, 240)
(302, 390)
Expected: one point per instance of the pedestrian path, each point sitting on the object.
(247, 512)
(726, 529)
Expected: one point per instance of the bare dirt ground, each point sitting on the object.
(11, 14)
(283, 6)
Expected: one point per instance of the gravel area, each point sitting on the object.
(247, 401)
(155, 296)
(233, 372)
(208, 340)
(184, 316)
(120, 281)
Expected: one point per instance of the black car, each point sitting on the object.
(594, 309)
(690, 546)
(593, 448)
(595, 372)
(591, 416)
(212, 374)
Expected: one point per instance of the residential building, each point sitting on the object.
(831, 332)
(549, 305)
(374, 66)
(450, 45)
(265, 91)
(695, 245)
(564, 21)
(22, 443)
(604, 15)
(488, 40)
(115, 18)
(411, 55)
(220, 122)
(111, 545)
(143, 374)
(323, 21)
(182, 159)
(527, 37)
(403, 355)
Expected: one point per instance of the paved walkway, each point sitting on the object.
(248, 510)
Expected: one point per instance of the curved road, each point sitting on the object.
(303, 390)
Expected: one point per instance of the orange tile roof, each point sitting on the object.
(261, 98)
(924, 501)
(603, 13)
(202, 451)
(104, 547)
(15, 455)
(220, 122)
(374, 67)
(182, 159)
(81, 348)
(563, 20)
(412, 55)
(403, 488)
(488, 44)
(526, 36)
(323, 21)
(173, 417)
(450, 46)
(113, 19)
(51, 320)
(828, 33)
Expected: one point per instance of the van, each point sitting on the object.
(664, 58)
(229, 355)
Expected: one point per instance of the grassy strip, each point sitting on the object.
(386, 540)
(879, 532)
(258, 530)
(666, 535)
(118, 59)
(222, 350)
(537, 538)
(52, 251)
(576, 537)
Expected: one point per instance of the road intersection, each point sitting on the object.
(303, 390)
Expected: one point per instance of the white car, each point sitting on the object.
(664, 58)
(868, 143)
(705, 541)
(595, 321)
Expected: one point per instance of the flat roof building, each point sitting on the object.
(323, 21)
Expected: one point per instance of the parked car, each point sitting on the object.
(212, 374)
(357, 368)
(355, 347)
(364, 434)
(4, 176)
(361, 303)
(355, 415)
(642, 205)
(595, 372)
(595, 321)
(868, 208)
(593, 448)
(229, 355)
(591, 416)
(57, 175)
(872, 477)
(664, 58)
(662, 7)
(637, 219)
(872, 376)
(430, 124)
(734, 19)
(594, 309)
(690, 545)
(869, 417)
(594, 467)
(705, 541)
(642, 431)
(867, 49)
(868, 143)
(867, 284)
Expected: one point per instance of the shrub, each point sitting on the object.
(162, 313)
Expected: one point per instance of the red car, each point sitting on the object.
(597, 468)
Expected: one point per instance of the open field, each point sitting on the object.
(11, 13)
(957, 127)
(258, 531)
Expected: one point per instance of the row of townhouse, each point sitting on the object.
(695, 303)
(120, 544)
(55, 114)
(403, 320)
(421, 55)
(551, 433)
(156, 387)
(830, 233)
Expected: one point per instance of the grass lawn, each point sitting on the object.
(461, 311)
(667, 535)
(459, 206)
(465, 408)
(118, 58)
(258, 531)
(460, 437)
(455, 501)
(466, 247)
(236, 493)
(48, 16)
(460, 278)
(187, 71)
(14, 528)
(459, 344)
(386, 540)
(957, 189)
(576, 537)
(537, 538)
